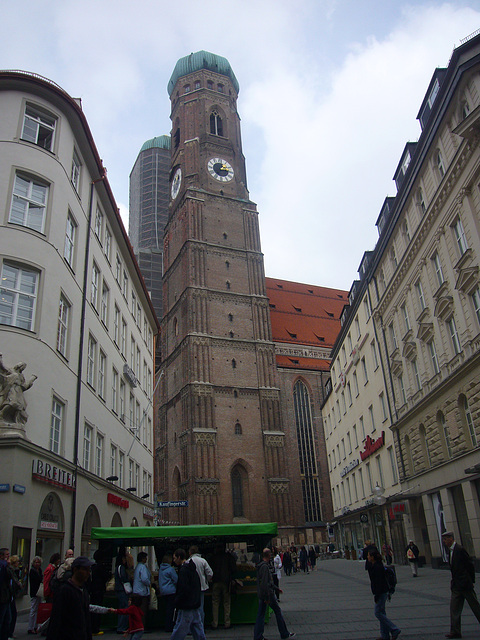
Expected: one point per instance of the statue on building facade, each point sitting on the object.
(12, 387)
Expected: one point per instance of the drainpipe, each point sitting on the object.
(80, 364)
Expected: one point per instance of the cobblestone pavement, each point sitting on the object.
(334, 602)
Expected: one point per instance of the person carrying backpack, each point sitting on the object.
(187, 599)
(381, 589)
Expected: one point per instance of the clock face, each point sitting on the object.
(176, 182)
(220, 169)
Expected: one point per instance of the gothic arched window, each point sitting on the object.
(306, 452)
(238, 429)
(216, 124)
(237, 494)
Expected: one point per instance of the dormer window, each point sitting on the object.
(406, 163)
(433, 93)
(186, 88)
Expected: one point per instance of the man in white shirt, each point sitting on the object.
(205, 574)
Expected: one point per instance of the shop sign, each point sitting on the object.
(52, 474)
(119, 502)
(47, 524)
(364, 518)
(4, 487)
(397, 509)
(349, 467)
(372, 445)
(148, 513)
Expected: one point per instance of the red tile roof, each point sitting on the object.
(303, 314)
(311, 364)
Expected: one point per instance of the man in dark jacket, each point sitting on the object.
(380, 590)
(6, 594)
(463, 578)
(187, 599)
(267, 596)
(70, 618)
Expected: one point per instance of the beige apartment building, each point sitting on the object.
(75, 310)
(423, 284)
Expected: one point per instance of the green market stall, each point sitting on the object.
(255, 536)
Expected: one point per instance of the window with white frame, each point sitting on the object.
(476, 303)
(416, 375)
(402, 389)
(123, 348)
(383, 406)
(137, 476)
(393, 257)
(393, 337)
(360, 475)
(94, 286)
(373, 348)
(131, 412)
(349, 442)
(460, 236)
(349, 394)
(406, 232)
(104, 304)
(132, 352)
(102, 365)
(420, 296)
(139, 315)
(355, 383)
(99, 225)
(29, 203)
(380, 470)
(362, 427)
(406, 319)
(113, 460)
(62, 328)
(107, 245)
(137, 364)
(369, 476)
(393, 464)
(433, 356)
(131, 473)
(70, 232)
(39, 127)
(18, 296)
(121, 468)
(125, 285)
(122, 400)
(118, 270)
(440, 164)
(469, 420)
(87, 446)
(56, 422)
(116, 325)
(355, 435)
(452, 328)
(134, 304)
(349, 343)
(344, 406)
(372, 417)
(75, 173)
(99, 455)
(137, 419)
(421, 201)
(144, 483)
(366, 307)
(91, 360)
(365, 371)
(438, 269)
(114, 390)
(357, 329)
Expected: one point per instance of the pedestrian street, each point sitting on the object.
(334, 602)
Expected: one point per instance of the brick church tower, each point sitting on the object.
(219, 440)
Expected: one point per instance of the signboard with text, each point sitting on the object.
(172, 503)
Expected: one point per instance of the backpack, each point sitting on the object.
(390, 579)
(56, 582)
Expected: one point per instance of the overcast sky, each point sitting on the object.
(329, 94)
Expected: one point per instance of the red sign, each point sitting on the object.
(120, 502)
(372, 445)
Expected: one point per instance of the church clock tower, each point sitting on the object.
(220, 442)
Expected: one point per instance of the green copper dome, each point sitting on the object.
(162, 142)
(202, 60)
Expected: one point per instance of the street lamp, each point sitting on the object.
(379, 498)
(112, 478)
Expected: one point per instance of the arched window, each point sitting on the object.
(307, 453)
(238, 429)
(216, 124)
(444, 434)
(237, 493)
(424, 443)
(234, 364)
(467, 420)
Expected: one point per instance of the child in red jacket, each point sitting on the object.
(135, 615)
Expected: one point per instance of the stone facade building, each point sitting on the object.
(74, 308)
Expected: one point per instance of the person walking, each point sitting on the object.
(312, 556)
(388, 553)
(70, 618)
(303, 556)
(287, 563)
(167, 584)
(380, 590)
(461, 585)
(412, 557)
(35, 578)
(277, 570)
(266, 592)
(187, 599)
(205, 574)
(142, 581)
(48, 574)
(6, 592)
(14, 568)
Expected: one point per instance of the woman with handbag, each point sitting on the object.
(36, 592)
(123, 590)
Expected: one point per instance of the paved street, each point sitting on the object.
(335, 603)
